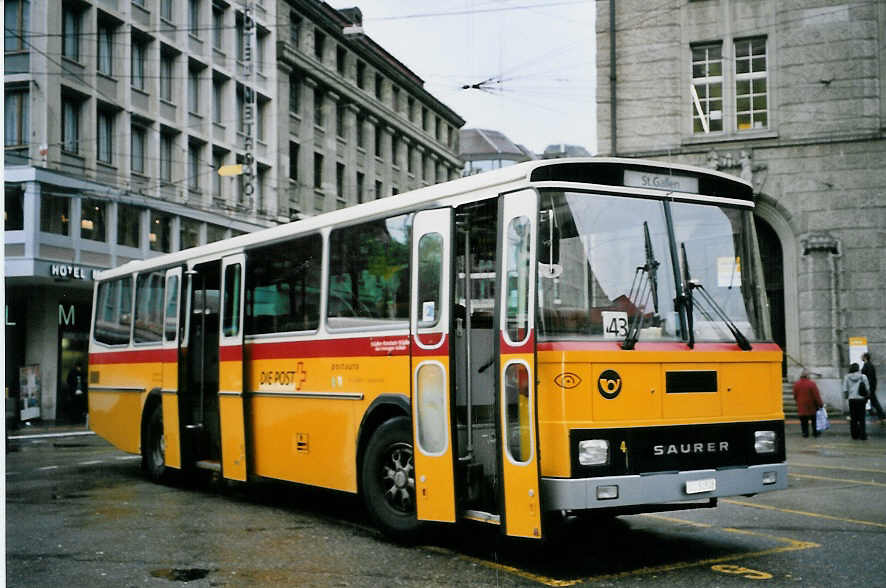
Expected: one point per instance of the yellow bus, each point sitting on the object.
(569, 336)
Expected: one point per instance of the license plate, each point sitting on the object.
(697, 486)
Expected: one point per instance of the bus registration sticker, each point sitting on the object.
(615, 324)
(698, 486)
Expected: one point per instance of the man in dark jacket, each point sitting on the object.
(808, 402)
(868, 370)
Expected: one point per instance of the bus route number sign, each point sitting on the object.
(615, 324)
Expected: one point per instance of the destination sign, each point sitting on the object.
(669, 182)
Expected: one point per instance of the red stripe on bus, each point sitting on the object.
(648, 346)
(527, 347)
(427, 339)
(356, 347)
(230, 353)
(134, 356)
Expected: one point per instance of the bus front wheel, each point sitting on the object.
(154, 445)
(388, 479)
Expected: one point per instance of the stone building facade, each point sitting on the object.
(791, 96)
(119, 115)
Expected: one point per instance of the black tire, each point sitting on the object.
(154, 445)
(387, 480)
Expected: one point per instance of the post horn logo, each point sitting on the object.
(609, 384)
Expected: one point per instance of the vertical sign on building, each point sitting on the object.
(249, 105)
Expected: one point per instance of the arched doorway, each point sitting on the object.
(772, 257)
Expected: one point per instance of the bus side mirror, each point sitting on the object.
(549, 239)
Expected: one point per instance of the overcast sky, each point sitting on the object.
(536, 58)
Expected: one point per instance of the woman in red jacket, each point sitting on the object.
(808, 401)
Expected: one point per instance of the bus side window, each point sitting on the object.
(112, 311)
(171, 312)
(231, 318)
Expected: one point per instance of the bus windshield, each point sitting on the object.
(615, 270)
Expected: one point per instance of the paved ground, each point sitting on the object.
(79, 512)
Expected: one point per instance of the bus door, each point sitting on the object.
(232, 414)
(170, 389)
(515, 376)
(431, 382)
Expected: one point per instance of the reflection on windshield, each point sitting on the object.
(604, 247)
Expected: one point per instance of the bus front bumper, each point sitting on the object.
(616, 491)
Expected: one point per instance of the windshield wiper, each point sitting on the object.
(644, 286)
(705, 297)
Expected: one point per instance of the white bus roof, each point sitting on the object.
(452, 193)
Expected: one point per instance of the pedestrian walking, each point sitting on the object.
(868, 370)
(808, 402)
(855, 389)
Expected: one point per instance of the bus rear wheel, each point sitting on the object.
(154, 445)
(388, 480)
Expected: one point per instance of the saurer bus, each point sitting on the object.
(561, 337)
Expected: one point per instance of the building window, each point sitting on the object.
(707, 79)
(215, 233)
(218, 28)
(166, 10)
(410, 109)
(294, 28)
(319, 119)
(166, 142)
(55, 214)
(13, 210)
(138, 149)
(260, 115)
(105, 49)
(437, 134)
(105, 133)
(340, 119)
(167, 66)
(318, 171)
(361, 133)
(410, 167)
(378, 141)
(70, 33)
(379, 81)
(138, 64)
(424, 119)
(340, 54)
(160, 236)
(217, 101)
(319, 45)
(395, 99)
(294, 93)
(194, 17)
(218, 160)
(193, 166)
(751, 110)
(293, 161)
(361, 75)
(241, 101)
(70, 125)
(189, 233)
(129, 225)
(92, 219)
(340, 180)
(260, 39)
(17, 16)
(193, 90)
(378, 189)
(240, 31)
(361, 187)
(16, 118)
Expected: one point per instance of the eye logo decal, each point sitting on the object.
(567, 380)
(609, 384)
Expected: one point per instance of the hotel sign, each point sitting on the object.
(66, 271)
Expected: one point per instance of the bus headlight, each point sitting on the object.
(593, 452)
(764, 441)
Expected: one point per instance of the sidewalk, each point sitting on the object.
(839, 426)
(27, 429)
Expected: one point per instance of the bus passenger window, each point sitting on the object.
(517, 400)
(283, 286)
(148, 307)
(112, 312)
(231, 324)
(430, 266)
(171, 314)
(518, 276)
(369, 274)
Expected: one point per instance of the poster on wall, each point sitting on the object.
(858, 346)
(29, 387)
